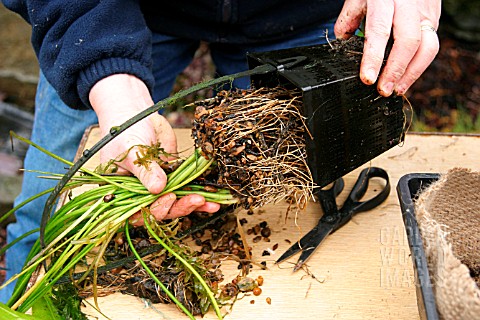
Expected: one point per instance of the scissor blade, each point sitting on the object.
(314, 236)
(290, 252)
(322, 231)
(297, 246)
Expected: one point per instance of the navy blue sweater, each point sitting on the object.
(80, 42)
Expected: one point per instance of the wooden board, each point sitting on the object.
(363, 271)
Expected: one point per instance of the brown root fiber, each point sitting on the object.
(257, 138)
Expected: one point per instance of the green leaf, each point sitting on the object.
(44, 309)
(7, 313)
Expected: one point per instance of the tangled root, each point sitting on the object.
(257, 138)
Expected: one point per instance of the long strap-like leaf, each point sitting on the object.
(115, 131)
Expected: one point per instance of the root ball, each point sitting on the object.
(257, 138)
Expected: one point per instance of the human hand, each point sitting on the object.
(118, 98)
(415, 40)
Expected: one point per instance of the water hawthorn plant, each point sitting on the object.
(249, 144)
(90, 220)
(70, 253)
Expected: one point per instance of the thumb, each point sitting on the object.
(151, 175)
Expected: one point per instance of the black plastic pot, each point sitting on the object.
(349, 121)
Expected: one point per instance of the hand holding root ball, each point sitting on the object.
(413, 25)
(116, 99)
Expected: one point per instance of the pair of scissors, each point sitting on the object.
(335, 217)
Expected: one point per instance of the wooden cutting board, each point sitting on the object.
(362, 271)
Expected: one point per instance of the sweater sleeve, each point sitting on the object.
(80, 42)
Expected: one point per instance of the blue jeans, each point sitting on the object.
(59, 129)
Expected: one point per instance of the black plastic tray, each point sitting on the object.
(408, 188)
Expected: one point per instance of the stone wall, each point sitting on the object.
(18, 81)
(18, 63)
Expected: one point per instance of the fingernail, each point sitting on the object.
(153, 183)
(400, 89)
(168, 201)
(371, 76)
(388, 88)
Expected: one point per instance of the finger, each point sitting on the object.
(377, 32)
(166, 135)
(407, 36)
(427, 51)
(151, 175)
(350, 18)
(159, 209)
(209, 207)
(186, 205)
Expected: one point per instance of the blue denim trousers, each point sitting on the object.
(59, 128)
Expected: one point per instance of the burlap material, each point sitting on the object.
(448, 214)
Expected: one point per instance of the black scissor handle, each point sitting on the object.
(352, 205)
(328, 196)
